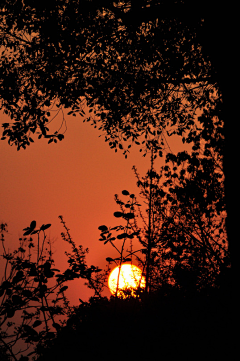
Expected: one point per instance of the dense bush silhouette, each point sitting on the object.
(33, 304)
(166, 324)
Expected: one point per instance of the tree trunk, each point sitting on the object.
(220, 42)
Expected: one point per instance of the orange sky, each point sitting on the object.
(76, 178)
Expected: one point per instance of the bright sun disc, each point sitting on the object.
(130, 278)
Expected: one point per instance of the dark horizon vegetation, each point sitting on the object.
(140, 68)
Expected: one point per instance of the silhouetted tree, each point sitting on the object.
(137, 75)
(183, 234)
(33, 303)
(141, 66)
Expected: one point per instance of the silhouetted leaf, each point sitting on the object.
(64, 288)
(122, 235)
(103, 228)
(18, 277)
(47, 270)
(129, 215)
(60, 137)
(33, 225)
(46, 266)
(49, 274)
(45, 226)
(6, 284)
(29, 231)
(33, 271)
(125, 193)
(26, 264)
(118, 214)
(37, 323)
(109, 259)
(35, 232)
(27, 293)
(102, 239)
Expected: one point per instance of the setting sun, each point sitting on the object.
(130, 278)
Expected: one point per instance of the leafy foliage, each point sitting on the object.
(181, 239)
(136, 77)
(33, 301)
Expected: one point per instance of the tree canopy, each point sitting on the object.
(137, 70)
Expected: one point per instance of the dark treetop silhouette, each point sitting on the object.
(141, 66)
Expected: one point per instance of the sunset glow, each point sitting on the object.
(130, 278)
